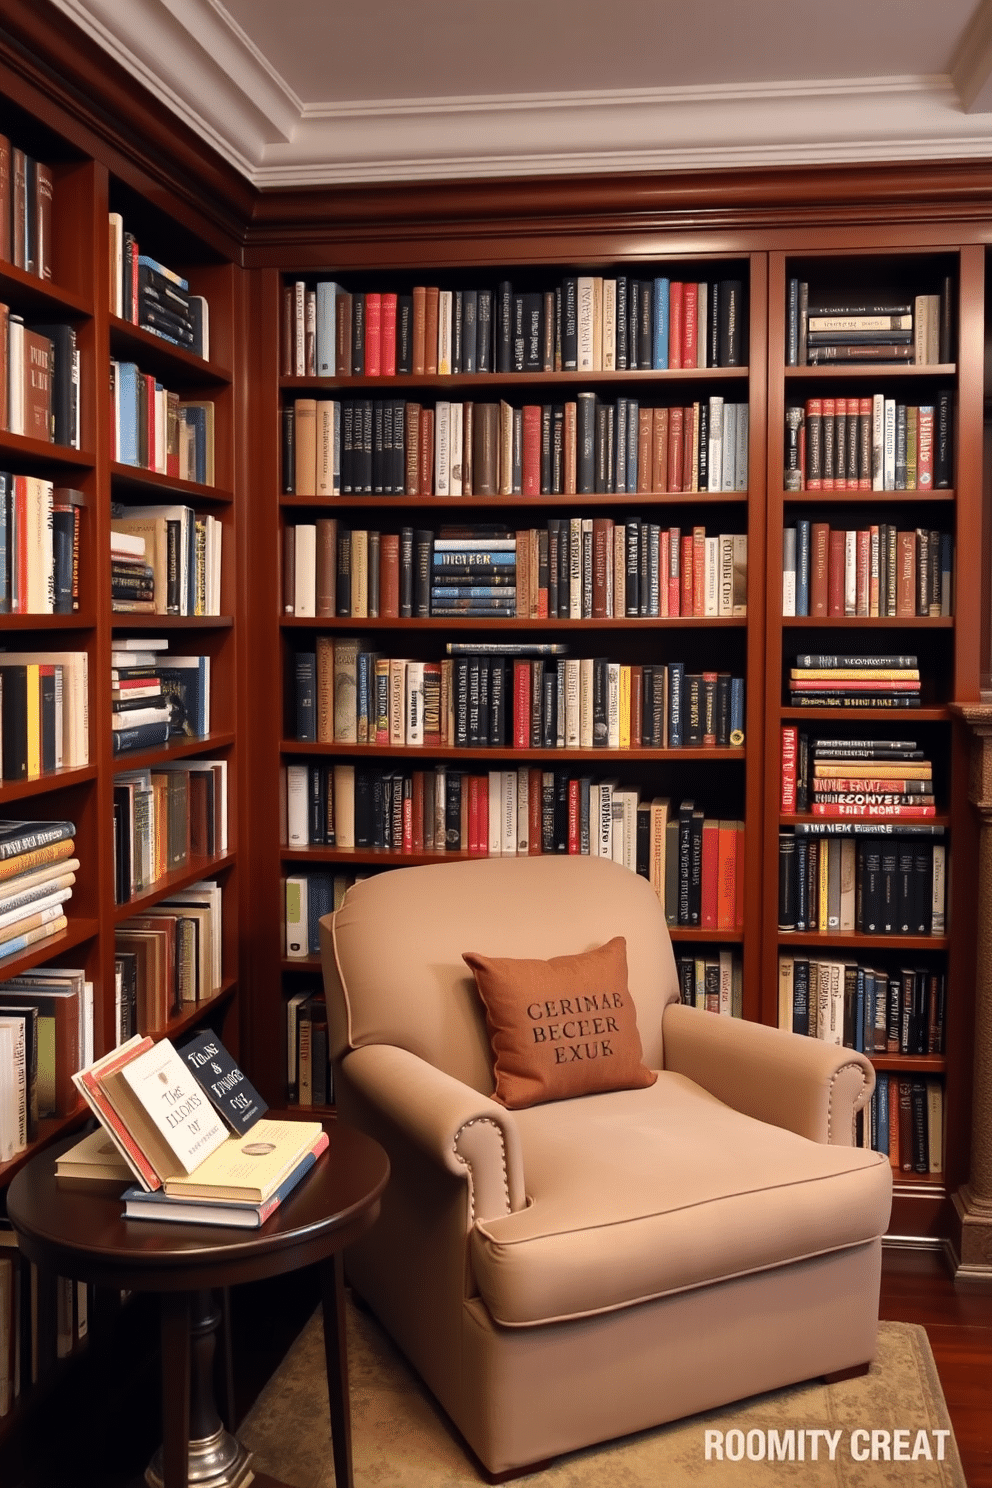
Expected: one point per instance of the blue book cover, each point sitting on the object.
(633, 432)
(146, 262)
(660, 339)
(736, 712)
(676, 677)
(141, 736)
(620, 463)
(860, 1003)
(449, 594)
(327, 294)
(160, 1205)
(320, 902)
(127, 403)
(803, 529)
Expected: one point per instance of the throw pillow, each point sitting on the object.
(560, 1028)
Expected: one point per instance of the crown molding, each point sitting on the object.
(194, 58)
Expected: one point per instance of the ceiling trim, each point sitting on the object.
(196, 60)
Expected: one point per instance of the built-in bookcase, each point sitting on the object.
(942, 639)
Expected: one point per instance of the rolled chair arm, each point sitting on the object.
(800, 1084)
(467, 1133)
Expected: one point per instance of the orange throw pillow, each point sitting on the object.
(561, 1028)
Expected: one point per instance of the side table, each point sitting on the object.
(85, 1237)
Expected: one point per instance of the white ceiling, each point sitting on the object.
(308, 92)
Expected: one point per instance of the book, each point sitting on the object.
(248, 1168)
(227, 1087)
(163, 1108)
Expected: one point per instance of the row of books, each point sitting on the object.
(165, 560)
(713, 982)
(905, 1120)
(872, 571)
(870, 443)
(582, 446)
(165, 817)
(867, 683)
(26, 195)
(190, 1130)
(869, 1008)
(39, 546)
(876, 776)
(157, 696)
(585, 323)
(32, 905)
(170, 956)
(148, 294)
(20, 1340)
(346, 694)
(48, 1034)
(39, 379)
(309, 1072)
(866, 326)
(155, 429)
(44, 712)
(695, 863)
(878, 884)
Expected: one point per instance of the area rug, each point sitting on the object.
(401, 1438)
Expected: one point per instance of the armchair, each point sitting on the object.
(574, 1271)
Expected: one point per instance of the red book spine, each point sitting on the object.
(425, 471)
(534, 789)
(417, 831)
(373, 335)
(841, 808)
(829, 437)
(818, 570)
(739, 879)
(698, 572)
(726, 906)
(690, 325)
(521, 705)
(387, 338)
(573, 816)
(687, 575)
(675, 337)
(835, 572)
(674, 571)
(482, 787)
(853, 684)
(688, 446)
(531, 466)
(711, 874)
(473, 815)
(408, 823)
(790, 750)
(814, 444)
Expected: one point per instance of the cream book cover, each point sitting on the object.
(252, 1166)
(160, 1099)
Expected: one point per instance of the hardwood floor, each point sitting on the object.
(917, 1288)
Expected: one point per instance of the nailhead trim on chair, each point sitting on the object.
(486, 1121)
(830, 1099)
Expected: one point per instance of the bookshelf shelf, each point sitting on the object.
(130, 342)
(41, 295)
(924, 1064)
(481, 380)
(681, 499)
(883, 718)
(881, 371)
(142, 483)
(856, 941)
(122, 622)
(496, 627)
(556, 756)
(862, 623)
(80, 620)
(39, 785)
(77, 932)
(34, 453)
(169, 883)
(868, 498)
(141, 759)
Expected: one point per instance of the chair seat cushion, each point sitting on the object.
(638, 1193)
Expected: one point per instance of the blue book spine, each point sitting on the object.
(882, 1090)
(142, 736)
(803, 529)
(320, 902)
(146, 262)
(620, 462)
(482, 557)
(366, 691)
(633, 429)
(448, 593)
(326, 307)
(336, 489)
(5, 543)
(860, 1003)
(676, 676)
(660, 339)
(736, 712)
(127, 433)
(871, 1008)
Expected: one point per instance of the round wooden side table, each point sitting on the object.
(86, 1238)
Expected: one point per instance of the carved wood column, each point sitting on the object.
(973, 1201)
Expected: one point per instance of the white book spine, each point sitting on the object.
(729, 447)
(444, 306)
(456, 456)
(305, 599)
(523, 811)
(714, 467)
(442, 449)
(572, 690)
(609, 325)
(711, 576)
(495, 818)
(613, 705)
(789, 571)
(585, 702)
(878, 442)
(508, 813)
(889, 455)
(584, 324)
(415, 703)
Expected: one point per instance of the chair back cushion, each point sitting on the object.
(392, 954)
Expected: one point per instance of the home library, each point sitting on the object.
(111, 925)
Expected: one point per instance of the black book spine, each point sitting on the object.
(554, 529)
(549, 709)
(406, 573)
(469, 323)
(474, 703)
(358, 332)
(731, 343)
(398, 473)
(696, 869)
(723, 708)
(452, 809)
(622, 348)
(378, 445)
(786, 880)
(366, 448)
(943, 473)
(685, 861)
(497, 703)
(306, 690)
(484, 331)
(457, 332)
(800, 995)
(889, 888)
(586, 443)
(713, 329)
(533, 329)
(423, 552)
(921, 1145)
(368, 807)
(288, 416)
(518, 335)
(536, 704)
(548, 812)
(633, 543)
(404, 333)
(570, 324)
(600, 703)
(546, 467)
(504, 327)
(317, 804)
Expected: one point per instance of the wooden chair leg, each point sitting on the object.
(854, 1372)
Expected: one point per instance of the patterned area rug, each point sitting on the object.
(401, 1438)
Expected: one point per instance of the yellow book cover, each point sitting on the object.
(249, 1167)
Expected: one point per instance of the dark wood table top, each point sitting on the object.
(86, 1237)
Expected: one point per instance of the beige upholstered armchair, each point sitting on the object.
(584, 1268)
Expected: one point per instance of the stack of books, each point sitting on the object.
(178, 551)
(132, 577)
(855, 777)
(191, 1129)
(869, 327)
(35, 881)
(854, 682)
(157, 697)
(149, 294)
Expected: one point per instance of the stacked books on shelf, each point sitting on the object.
(874, 1009)
(509, 697)
(864, 877)
(712, 981)
(584, 323)
(33, 858)
(165, 560)
(39, 546)
(309, 1073)
(870, 443)
(572, 568)
(694, 862)
(46, 1022)
(905, 1120)
(44, 707)
(875, 571)
(155, 429)
(157, 696)
(20, 1364)
(165, 817)
(148, 294)
(39, 369)
(192, 1132)
(170, 958)
(26, 210)
(868, 327)
(858, 681)
(582, 446)
(855, 777)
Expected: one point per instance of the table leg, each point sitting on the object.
(175, 1387)
(336, 1352)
